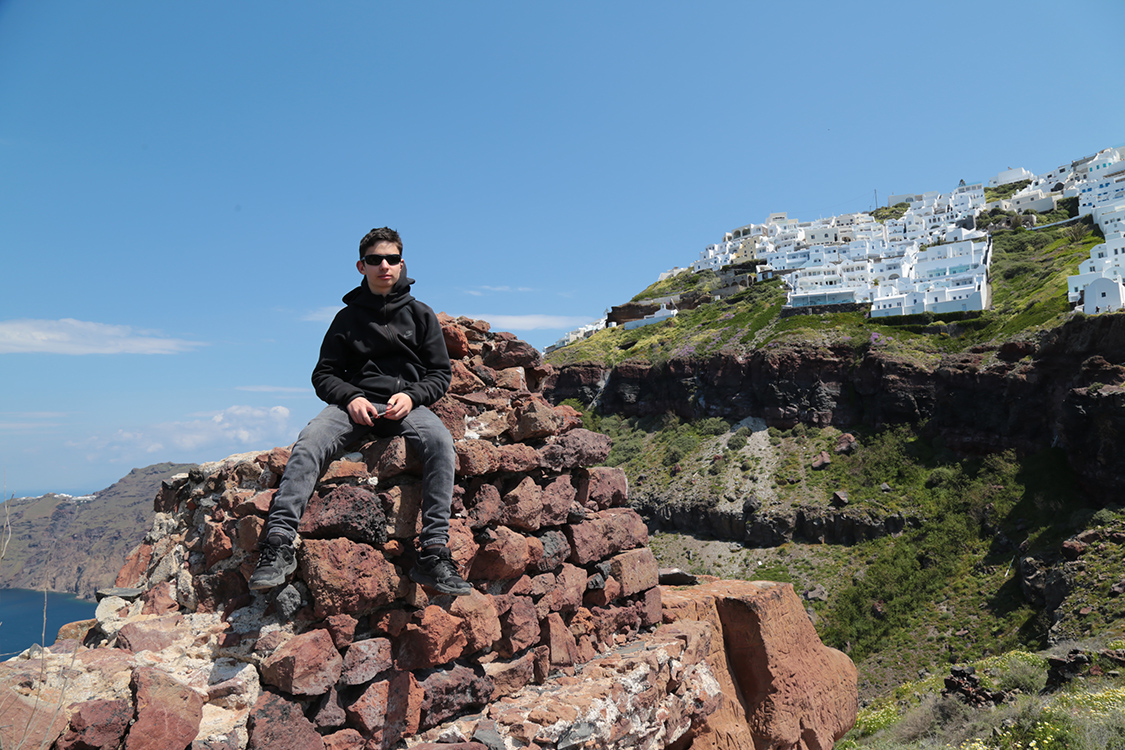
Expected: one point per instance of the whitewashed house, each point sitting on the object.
(967, 199)
(1009, 176)
(1106, 260)
(1104, 295)
(661, 315)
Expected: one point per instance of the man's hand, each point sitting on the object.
(399, 406)
(363, 411)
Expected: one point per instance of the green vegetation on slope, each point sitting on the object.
(897, 211)
(1084, 715)
(682, 283)
(992, 194)
(1028, 279)
(1029, 271)
(946, 589)
(730, 322)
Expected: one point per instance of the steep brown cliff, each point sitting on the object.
(1062, 390)
(76, 545)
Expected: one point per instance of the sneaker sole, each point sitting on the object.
(433, 584)
(268, 583)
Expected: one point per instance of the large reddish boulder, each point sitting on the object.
(366, 659)
(96, 724)
(558, 498)
(502, 556)
(168, 711)
(519, 626)
(307, 664)
(606, 533)
(352, 512)
(635, 570)
(791, 690)
(558, 638)
(135, 567)
(387, 709)
(516, 458)
(346, 576)
(575, 449)
(479, 620)
(533, 419)
(476, 457)
(155, 634)
(512, 353)
(450, 691)
(456, 342)
(523, 506)
(435, 637)
(602, 487)
(277, 723)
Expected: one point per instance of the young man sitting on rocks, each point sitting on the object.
(382, 362)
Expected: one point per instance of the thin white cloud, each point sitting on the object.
(211, 436)
(26, 426)
(271, 389)
(480, 290)
(532, 322)
(23, 421)
(69, 336)
(322, 314)
(34, 414)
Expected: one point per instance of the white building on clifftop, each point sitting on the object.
(930, 259)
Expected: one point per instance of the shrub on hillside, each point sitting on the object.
(712, 426)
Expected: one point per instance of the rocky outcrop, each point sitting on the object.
(755, 526)
(1063, 390)
(560, 644)
(785, 688)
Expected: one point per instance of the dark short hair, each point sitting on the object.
(375, 236)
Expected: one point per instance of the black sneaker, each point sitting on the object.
(275, 563)
(436, 569)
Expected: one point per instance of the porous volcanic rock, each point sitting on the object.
(788, 689)
(559, 644)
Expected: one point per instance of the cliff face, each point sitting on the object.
(561, 644)
(1063, 390)
(76, 545)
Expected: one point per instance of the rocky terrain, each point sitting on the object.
(567, 640)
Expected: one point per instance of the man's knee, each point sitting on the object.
(432, 433)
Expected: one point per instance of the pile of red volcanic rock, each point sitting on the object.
(352, 654)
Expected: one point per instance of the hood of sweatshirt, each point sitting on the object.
(388, 304)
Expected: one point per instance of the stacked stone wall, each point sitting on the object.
(352, 648)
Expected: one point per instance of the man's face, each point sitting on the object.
(380, 276)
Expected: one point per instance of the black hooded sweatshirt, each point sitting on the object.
(379, 345)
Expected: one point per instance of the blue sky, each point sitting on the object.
(183, 185)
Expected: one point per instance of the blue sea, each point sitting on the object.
(21, 618)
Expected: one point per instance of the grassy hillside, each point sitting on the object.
(1028, 278)
(947, 590)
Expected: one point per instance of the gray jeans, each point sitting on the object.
(333, 430)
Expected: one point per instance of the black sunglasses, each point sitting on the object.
(374, 260)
